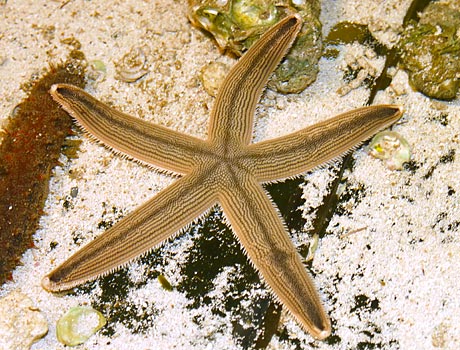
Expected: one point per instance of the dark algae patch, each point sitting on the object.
(214, 249)
(33, 137)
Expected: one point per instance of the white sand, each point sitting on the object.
(407, 258)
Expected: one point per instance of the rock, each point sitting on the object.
(21, 323)
(430, 51)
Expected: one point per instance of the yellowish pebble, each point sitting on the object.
(78, 324)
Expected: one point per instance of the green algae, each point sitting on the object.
(237, 24)
(350, 32)
(30, 148)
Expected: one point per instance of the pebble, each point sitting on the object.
(21, 323)
(78, 325)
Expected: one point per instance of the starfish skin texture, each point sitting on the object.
(225, 169)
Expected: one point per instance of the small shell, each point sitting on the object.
(96, 70)
(78, 324)
(391, 148)
(132, 66)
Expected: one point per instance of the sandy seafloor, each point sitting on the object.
(407, 257)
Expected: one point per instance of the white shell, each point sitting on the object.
(132, 66)
(392, 148)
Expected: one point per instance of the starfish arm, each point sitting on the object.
(148, 143)
(263, 236)
(142, 230)
(234, 108)
(308, 148)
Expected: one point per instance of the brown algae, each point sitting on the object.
(33, 137)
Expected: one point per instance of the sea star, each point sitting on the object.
(225, 169)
